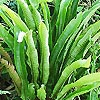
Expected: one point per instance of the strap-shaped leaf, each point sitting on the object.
(46, 14)
(94, 39)
(68, 70)
(27, 14)
(69, 30)
(61, 16)
(86, 17)
(72, 42)
(85, 80)
(69, 13)
(88, 13)
(82, 90)
(19, 58)
(6, 19)
(8, 38)
(91, 32)
(36, 16)
(44, 66)
(15, 18)
(32, 56)
(78, 37)
(74, 8)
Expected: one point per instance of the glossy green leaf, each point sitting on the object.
(46, 14)
(82, 90)
(78, 37)
(32, 56)
(44, 65)
(19, 58)
(15, 18)
(86, 17)
(94, 94)
(8, 38)
(41, 93)
(91, 32)
(69, 30)
(88, 13)
(36, 16)
(68, 70)
(6, 19)
(52, 24)
(74, 8)
(61, 16)
(27, 14)
(69, 13)
(94, 39)
(85, 80)
(76, 34)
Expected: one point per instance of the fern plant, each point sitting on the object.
(49, 48)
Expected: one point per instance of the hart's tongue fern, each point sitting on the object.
(49, 49)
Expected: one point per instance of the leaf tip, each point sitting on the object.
(87, 64)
